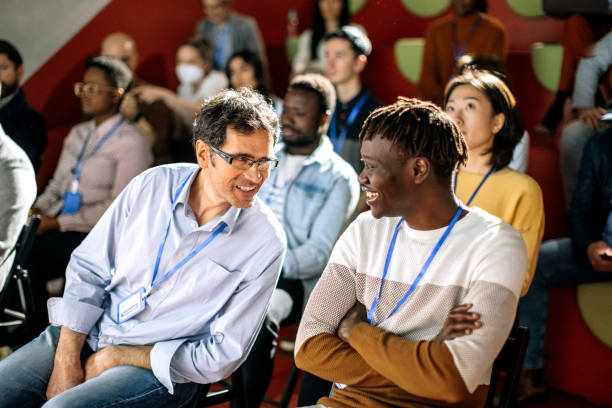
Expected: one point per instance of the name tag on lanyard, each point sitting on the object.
(136, 302)
(73, 197)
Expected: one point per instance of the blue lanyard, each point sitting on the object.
(220, 47)
(460, 52)
(477, 188)
(81, 160)
(333, 132)
(421, 273)
(163, 243)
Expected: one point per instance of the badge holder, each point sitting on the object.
(72, 199)
(131, 305)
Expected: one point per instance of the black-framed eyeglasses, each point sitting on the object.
(243, 162)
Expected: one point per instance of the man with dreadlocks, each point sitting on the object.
(376, 323)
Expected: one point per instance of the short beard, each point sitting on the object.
(8, 89)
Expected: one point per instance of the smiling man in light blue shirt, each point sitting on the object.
(171, 286)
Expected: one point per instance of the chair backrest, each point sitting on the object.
(22, 251)
(507, 369)
(229, 392)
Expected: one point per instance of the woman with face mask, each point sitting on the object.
(197, 81)
(484, 109)
(194, 70)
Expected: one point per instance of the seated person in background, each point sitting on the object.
(98, 159)
(579, 34)
(468, 30)
(346, 56)
(197, 81)
(418, 254)
(17, 193)
(228, 32)
(586, 256)
(312, 193)
(591, 70)
(327, 17)
(154, 120)
(246, 69)
(20, 121)
(493, 65)
(484, 109)
(113, 342)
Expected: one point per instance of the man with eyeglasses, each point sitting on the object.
(312, 193)
(171, 286)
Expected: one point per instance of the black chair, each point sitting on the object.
(17, 284)
(230, 392)
(507, 370)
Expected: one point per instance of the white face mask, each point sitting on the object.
(189, 73)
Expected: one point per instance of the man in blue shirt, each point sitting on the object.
(313, 192)
(141, 321)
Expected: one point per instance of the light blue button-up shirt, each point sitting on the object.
(317, 204)
(204, 318)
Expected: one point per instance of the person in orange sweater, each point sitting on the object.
(376, 322)
(467, 31)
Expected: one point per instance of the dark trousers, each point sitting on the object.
(257, 369)
(48, 260)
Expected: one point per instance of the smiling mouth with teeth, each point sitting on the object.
(245, 189)
(371, 195)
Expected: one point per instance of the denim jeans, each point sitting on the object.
(25, 373)
(556, 266)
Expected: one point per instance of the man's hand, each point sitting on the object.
(64, 377)
(590, 117)
(47, 224)
(354, 316)
(67, 369)
(102, 360)
(113, 356)
(460, 322)
(595, 250)
(129, 106)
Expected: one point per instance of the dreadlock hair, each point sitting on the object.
(502, 101)
(419, 129)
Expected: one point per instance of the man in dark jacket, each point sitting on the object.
(20, 121)
(584, 257)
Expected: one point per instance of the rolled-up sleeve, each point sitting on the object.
(232, 333)
(90, 270)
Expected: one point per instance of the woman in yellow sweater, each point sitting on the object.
(484, 109)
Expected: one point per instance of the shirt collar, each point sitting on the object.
(105, 126)
(319, 155)
(344, 106)
(5, 101)
(230, 217)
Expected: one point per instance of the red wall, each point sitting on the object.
(158, 26)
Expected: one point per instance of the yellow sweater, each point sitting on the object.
(514, 197)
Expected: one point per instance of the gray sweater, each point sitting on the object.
(17, 193)
(590, 69)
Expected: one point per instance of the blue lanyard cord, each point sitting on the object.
(419, 276)
(81, 159)
(460, 52)
(477, 188)
(333, 132)
(165, 236)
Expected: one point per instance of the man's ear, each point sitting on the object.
(202, 154)
(421, 169)
(360, 63)
(19, 72)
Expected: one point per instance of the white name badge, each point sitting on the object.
(131, 305)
